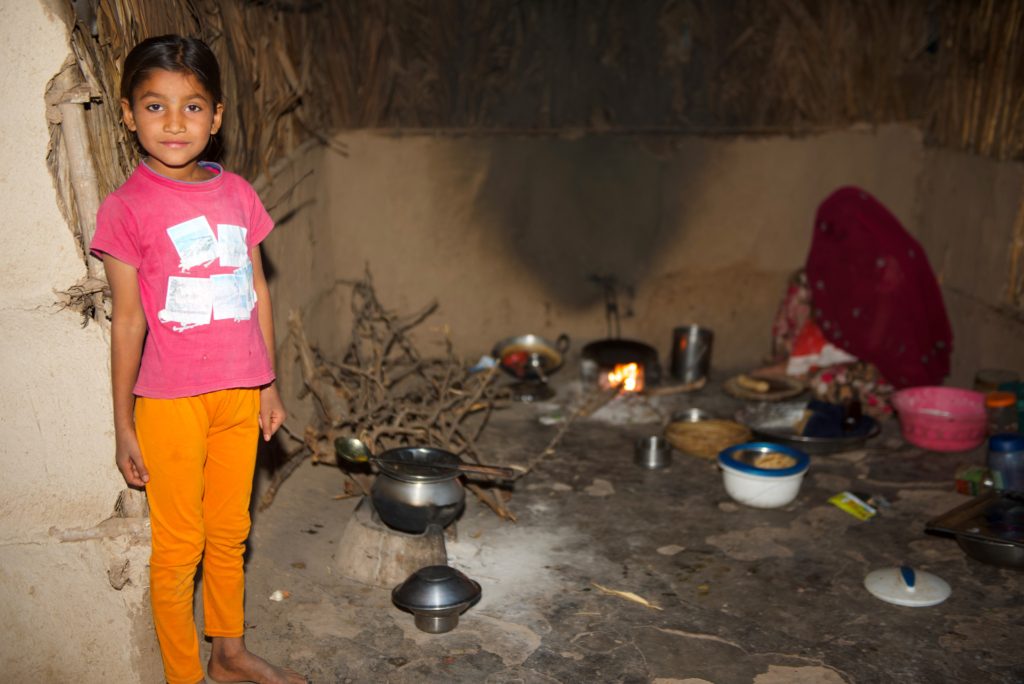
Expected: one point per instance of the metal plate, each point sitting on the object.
(780, 387)
(989, 528)
(993, 516)
(777, 423)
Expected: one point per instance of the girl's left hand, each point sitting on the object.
(272, 411)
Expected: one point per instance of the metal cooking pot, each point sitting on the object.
(409, 495)
(531, 357)
(603, 355)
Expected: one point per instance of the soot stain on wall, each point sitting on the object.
(568, 210)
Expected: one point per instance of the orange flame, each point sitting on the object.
(630, 376)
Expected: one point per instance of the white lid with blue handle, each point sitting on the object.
(906, 586)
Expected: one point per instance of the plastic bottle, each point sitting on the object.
(1001, 408)
(1006, 461)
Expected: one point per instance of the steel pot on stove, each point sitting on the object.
(409, 494)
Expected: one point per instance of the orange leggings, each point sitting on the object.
(200, 452)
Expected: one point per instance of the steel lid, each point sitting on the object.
(436, 588)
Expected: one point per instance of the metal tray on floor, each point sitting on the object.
(989, 528)
(777, 423)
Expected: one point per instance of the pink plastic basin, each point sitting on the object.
(941, 418)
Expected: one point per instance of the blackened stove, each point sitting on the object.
(611, 362)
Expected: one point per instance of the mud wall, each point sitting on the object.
(967, 206)
(74, 604)
(506, 232)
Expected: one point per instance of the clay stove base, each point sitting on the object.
(372, 553)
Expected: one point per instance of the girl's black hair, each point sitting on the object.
(171, 53)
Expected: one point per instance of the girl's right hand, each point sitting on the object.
(129, 460)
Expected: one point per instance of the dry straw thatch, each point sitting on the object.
(301, 69)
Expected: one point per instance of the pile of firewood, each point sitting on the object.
(386, 393)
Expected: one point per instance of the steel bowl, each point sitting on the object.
(652, 452)
(691, 415)
(436, 595)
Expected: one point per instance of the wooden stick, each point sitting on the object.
(667, 390)
(294, 460)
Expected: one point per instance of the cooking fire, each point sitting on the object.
(628, 376)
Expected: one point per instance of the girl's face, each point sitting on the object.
(174, 116)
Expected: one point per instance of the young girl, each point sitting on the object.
(191, 353)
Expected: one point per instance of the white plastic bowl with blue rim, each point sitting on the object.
(762, 487)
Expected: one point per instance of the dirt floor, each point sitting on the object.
(735, 594)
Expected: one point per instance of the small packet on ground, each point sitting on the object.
(854, 505)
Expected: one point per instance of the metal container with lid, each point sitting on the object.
(436, 595)
(410, 494)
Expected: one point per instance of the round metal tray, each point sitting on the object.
(776, 423)
(780, 388)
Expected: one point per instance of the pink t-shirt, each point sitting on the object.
(190, 243)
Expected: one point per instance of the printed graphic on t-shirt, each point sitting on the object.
(189, 302)
(192, 301)
(231, 247)
(233, 295)
(195, 242)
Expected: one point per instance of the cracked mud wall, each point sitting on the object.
(64, 619)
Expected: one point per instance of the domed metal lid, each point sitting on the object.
(415, 464)
(436, 588)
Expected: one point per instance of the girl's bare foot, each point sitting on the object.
(231, 661)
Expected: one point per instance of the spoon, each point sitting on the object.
(355, 451)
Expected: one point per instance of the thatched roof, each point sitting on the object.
(301, 69)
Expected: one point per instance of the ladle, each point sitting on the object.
(355, 450)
